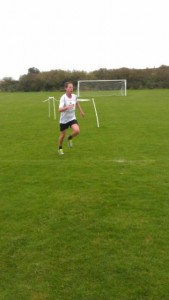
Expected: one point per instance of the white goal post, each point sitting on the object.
(96, 88)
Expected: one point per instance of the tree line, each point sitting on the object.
(35, 81)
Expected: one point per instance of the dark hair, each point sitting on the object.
(67, 83)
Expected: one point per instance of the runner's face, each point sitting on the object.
(69, 88)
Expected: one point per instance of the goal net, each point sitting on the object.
(95, 88)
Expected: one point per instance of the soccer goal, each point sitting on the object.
(96, 88)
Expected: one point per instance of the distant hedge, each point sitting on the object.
(52, 80)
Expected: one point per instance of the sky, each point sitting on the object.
(82, 35)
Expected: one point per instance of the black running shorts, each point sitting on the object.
(67, 125)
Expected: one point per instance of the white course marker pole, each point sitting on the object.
(54, 108)
(97, 119)
(49, 106)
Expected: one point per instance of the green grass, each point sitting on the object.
(93, 224)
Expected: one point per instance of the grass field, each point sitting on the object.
(92, 224)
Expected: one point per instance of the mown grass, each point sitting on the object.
(94, 223)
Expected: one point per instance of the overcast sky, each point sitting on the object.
(82, 35)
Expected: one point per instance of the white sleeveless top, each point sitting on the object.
(67, 115)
